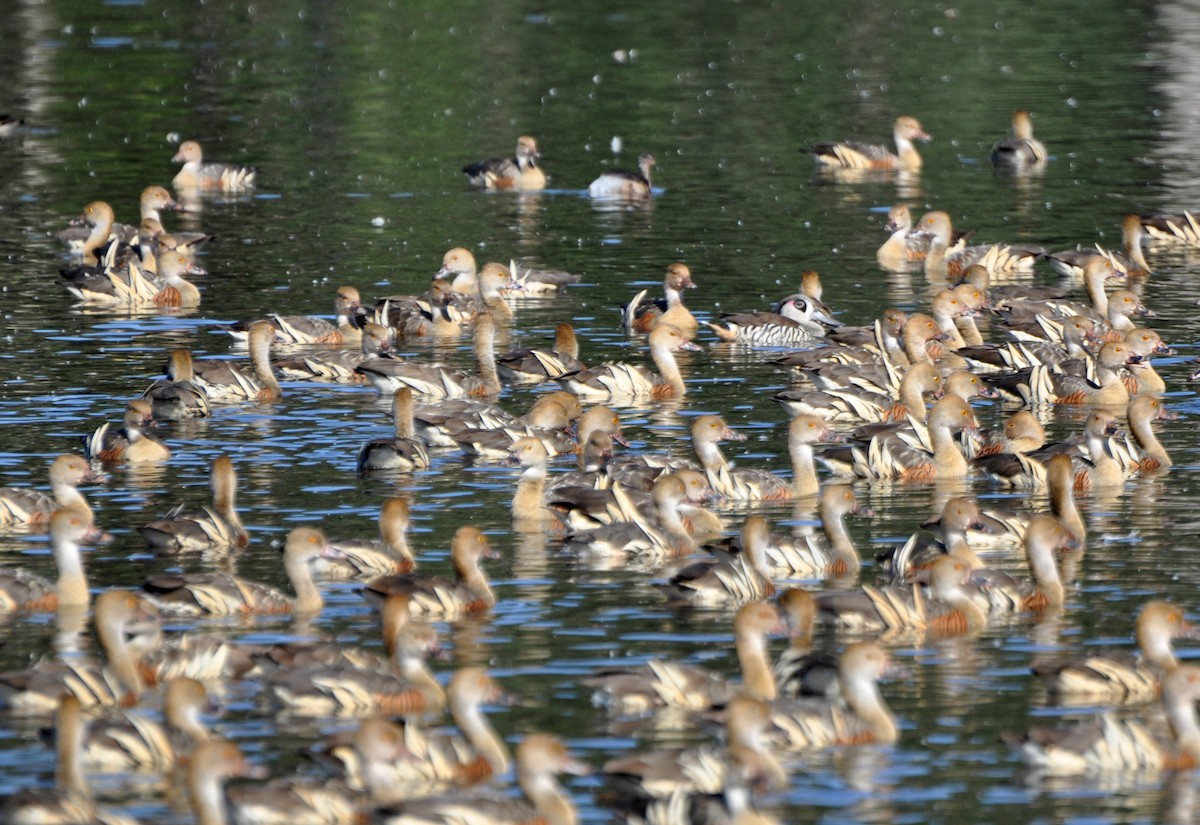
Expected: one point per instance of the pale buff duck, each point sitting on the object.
(226, 381)
(1000, 259)
(799, 671)
(131, 286)
(1099, 431)
(21, 589)
(704, 769)
(547, 421)
(1123, 679)
(661, 683)
(219, 594)
(859, 405)
(727, 580)
(408, 688)
(125, 624)
(216, 526)
(906, 129)
(433, 763)
(625, 530)
(736, 483)
(468, 592)
(891, 456)
(130, 443)
(959, 515)
(530, 282)
(527, 504)
(859, 717)
(1128, 261)
(209, 177)
(640, 315)
(1007, 458)
(621, 383)
(1044, 537)
(69, 802)
(865, 344)
(337, 365)
(308, 329)
(152, 200)
(1125, 745)
(519, 173)
(795, 322)
(1151, 456)
(539, 757)
(459, 268)
(807, 557)
(97, 221)
(403, 451)
(137, 742)
(1146, 343)
(1021, 151)
(952, 607)
(1041, 385)
(181, 395)
(435, 382)
(803, 432)
(624, 184)
(1184, 228)
(533, 366)
(24, 506)
(494, 280)
(878, 367)
(389, 554)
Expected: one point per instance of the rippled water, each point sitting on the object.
(354, 115)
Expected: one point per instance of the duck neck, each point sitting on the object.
(308, 596)
(225, 503)
(668, 368)
(757, 679)
(208, 797)
(527, 500)
(549, 798)
(1155, 644)
(120, 658)
(947, 456)
(833, 522)
(804, 471)
(471, 576)
(1143, 434)
(473, 722)
(187, 721)
(414, 669)
(485, 360)
(1046, 577)
(709, 455)
(1181, 718)
(953, 339)
(862, 696)
(260, 360)
(72, 587)
(1062, 505)
(403, 413)
(1094, 284)
(68, 497)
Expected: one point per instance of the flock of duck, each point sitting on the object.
(888, 400)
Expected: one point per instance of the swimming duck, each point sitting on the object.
(999, 259)
(24, 506)
(629, 530)
(640, 315)
(90, 231)
(131, 443)
(520, 172)
(211, 177)
(389, 554)
(337, 364)
(132, 286)
(799, 671)
(137, 742)
(227, 381)
(403, 451)
(805, 556)
(220, 594)
(1041, 385)
(1121, 679)
(1044, 538)
(1184, 228)
(911, 560)
(533, 366)
(729, 579)
(619, 382)
(858, 404)
(909, 459)
(532, 282)
(797, 321)
(869, 156)
(217, 526)
(624, 184)
(1152, 456)
(125, 625)
(740, 484)
(21, 589)
(1021, 151)
(469, 592)
(437, 382)
(309, 329)
(1128, 261)
(181, 395)
(547, 420)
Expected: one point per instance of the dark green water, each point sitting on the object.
(354, 114)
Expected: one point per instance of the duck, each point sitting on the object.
(460, 269)
(1045, 536)
(209, 177)
(629, 530)
(125, 625)
(337, 364)
(434, 763)
(623, 184)
(999, 259)
(26, 507)
(662, 774)
(951, 608)
(1042, 386)
(796, 321)
(1146, 343)
(532, 282)
(138, 743)
(1180, 228)
(660, 683)
(538, 758)
(740, 484)
(1129, 261)
(859, 717)
(618, 382)
(181, 395)
(854, 404)
(405, 688)
(640, 315)
(1021, 151)
(70, 801)
(220, 594)
(226, 381)
(403, 451)
(729, 579)
(494, 280)
(436, 382)
(1110, 744)
(1121, 679)
(519, 173)
(527, 504)
(216, 526)
(309, 329)
(959, 516)
(906, 129)
(1143, 410)
(132, 286)
(152, 200)
(469, 592)
(21, 589)
(889, 456)
(805, 557)
(90, 231)
(799, 671)
(547, 420)
(389, 554)
(130, 443)
(530, 365)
